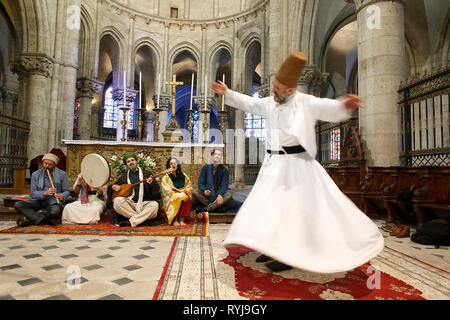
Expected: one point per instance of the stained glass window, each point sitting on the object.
(254, 125)
(76, 114)
(111, 111)
(110, 117)
(335, 144)
(195, 129)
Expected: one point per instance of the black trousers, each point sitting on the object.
(30, 207)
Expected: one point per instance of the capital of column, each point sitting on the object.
(308, 75)
(361, 4)
(88, 87)
(164, 101)
(117, 95)
(36, 63)
(200, 102)
(9, 96)
(264, 90)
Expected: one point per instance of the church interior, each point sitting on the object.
(108, 77)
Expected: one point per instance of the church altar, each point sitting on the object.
(191, 155)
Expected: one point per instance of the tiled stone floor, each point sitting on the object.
(34, 267)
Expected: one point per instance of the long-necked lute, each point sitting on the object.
(127, 189)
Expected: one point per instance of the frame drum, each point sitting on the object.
(95, 170)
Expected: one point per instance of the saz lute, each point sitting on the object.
(127, 189)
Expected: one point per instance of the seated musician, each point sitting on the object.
(89, 206)
(176, 193)
(49, 189)
(142, 205)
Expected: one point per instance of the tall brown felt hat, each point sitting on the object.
(291, 69)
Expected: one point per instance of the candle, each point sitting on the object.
(124, 89)
(159, 88)
(192, 90)
(140, 89)
(206, 91)
(223, 97)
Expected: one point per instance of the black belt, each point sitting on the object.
(288, 150)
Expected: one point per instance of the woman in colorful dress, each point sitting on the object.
(176, 194)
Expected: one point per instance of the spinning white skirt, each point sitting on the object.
(297, 215)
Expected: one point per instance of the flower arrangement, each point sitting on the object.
(144, 161)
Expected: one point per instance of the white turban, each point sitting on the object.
(52, 157)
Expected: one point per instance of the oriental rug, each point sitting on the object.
(195, 227)
(202, 268)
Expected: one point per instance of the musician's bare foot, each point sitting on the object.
(176, 224)
(182, 222)
(93, 222)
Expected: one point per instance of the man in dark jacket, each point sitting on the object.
(141, 206)
(212, 191)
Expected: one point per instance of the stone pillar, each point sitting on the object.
(149, 125)
(96, 103)
(240, 146)
(86, 89)
(69, 78)
(275, 38)
(118, 98)
(22, 78)
(381, 68)
(39, 68)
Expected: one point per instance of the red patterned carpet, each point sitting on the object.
(257, 284)
(195, 227)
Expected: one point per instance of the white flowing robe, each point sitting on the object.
(295, 213)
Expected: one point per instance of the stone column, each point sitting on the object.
(69, 78)
(381, 68)
(22, 78)
(118, 98)
(39, 70)
(86, 89)
(96, 103)
(275, 38)
(149, 125)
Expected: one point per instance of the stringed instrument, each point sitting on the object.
(127, 189)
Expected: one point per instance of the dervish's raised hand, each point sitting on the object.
(219, 87)
(352, 101)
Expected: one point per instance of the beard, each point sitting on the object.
(133, 167)
(280, 98)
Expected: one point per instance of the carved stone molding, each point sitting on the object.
(164, 101)
(37, 64)
(307, 76)
(361, 4)
(88, 87)
(117, 95)
(118, 8)
(264, 90)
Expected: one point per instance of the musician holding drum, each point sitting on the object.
(49, 189)
(143, 204)
(89, 206)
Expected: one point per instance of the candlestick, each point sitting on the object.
(140, 89)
